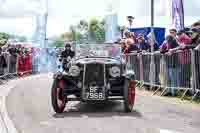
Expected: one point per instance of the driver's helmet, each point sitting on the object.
(68, 46)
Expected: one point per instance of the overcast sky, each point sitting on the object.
(16, 16)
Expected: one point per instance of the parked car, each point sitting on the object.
(98, 72)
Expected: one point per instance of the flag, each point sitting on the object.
(177, 14)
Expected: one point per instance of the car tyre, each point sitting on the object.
(129, 95)
(57, 98)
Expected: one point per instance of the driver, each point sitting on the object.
(66, 55)
(67, 52)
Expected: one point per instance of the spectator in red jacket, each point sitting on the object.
(184, 58)
(183, 38)
(28, 66)
(20, 64)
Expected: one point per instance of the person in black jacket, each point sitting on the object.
(66, 55)
(3, 63)
(67, 52)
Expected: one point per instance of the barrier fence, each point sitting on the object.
(37, 61)
(168, 72)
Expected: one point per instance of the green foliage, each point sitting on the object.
(96, 30)
(22, 39)
(100, 35)
(92, 30)
(3, 38)
(59, 42)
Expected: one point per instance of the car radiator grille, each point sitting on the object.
(94, 75)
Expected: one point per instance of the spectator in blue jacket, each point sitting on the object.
(142, 44)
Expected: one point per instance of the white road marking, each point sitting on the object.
(5, 123)
(167, 131)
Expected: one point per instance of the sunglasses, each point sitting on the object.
(172, 32)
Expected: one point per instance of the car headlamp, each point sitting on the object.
(115, 71)
(74, 71)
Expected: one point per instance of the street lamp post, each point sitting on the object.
(152, 64)
(45, 30)
(45, 23)
(152, 26)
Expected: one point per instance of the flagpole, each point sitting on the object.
(45, 23)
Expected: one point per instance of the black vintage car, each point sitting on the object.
(98, 72)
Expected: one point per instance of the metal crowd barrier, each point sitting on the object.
(168, 72)
(39, 61)
(16, 68)
(196, 72)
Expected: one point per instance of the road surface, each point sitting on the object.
(29, 107)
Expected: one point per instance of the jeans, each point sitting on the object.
(173, 78)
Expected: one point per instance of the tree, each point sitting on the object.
(22, 39)
(59, 42)
(93, 30)
(3, 38)
(97, 30)
(83, 26)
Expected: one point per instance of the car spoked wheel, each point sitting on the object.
(58, 100)
(129, 95)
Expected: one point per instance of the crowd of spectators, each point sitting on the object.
(132, 43)
(182, 39)
(177, 56)
(19, 60)
(15, 60)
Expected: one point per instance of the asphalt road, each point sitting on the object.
(29, 107)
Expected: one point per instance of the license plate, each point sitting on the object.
(95, 94)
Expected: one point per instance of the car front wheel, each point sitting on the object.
(57, 98)
(129, 95)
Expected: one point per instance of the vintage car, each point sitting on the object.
(98, 72)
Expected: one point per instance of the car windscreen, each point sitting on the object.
(98, 50)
